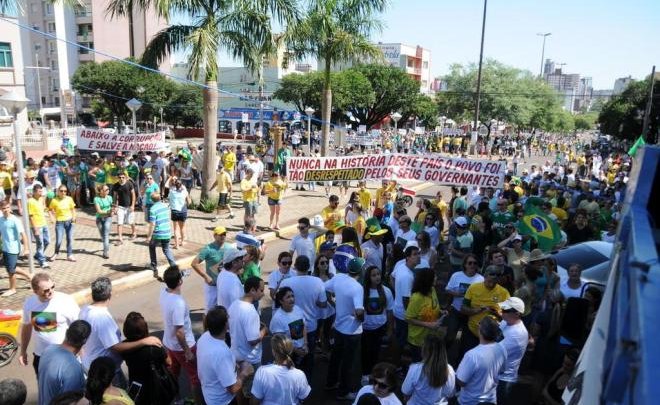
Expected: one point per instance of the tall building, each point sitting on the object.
(620, 84)
(11, 75)
(548, 67)
(88, 25)
(567, 85)
(584, 94)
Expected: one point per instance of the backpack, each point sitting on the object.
(165, 386)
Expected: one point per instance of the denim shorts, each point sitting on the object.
(10, 260)
(274, 202)
(250, 207)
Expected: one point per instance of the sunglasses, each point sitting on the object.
(509, 311)
(323, 262)
(62, 191)
(286, 263)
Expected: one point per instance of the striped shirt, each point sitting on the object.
(159, 215)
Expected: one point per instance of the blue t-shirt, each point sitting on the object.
(10, 230)
(178, 199)
(148, 191)
(59, 371)
(159, 214)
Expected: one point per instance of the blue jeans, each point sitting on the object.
(104, 224)
(42, 240)
(165, 246)
(60, 228)
(343, 363)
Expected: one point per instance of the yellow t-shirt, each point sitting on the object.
(229, 161)
(6, 180)
(560, 213)
(421, 308)
(250, 190)
(364, 196)
(442, 206)
(36, 211)
(275, 189)
(476, 296)
(330, 217)
(360, 225)
(63, 208)
(223, 182)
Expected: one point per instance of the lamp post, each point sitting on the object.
(16, 103)
(473, 138)
(309, 111)
(544, 35)
(396, 117)
(161, 117)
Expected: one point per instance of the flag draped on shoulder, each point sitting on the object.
(541, 227)
(638, 143)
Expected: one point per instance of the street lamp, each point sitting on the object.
(396, 117)
(134, 105)
(473, 138)
(161, 117)
(309, 111)
(16, 103)
(544, 35)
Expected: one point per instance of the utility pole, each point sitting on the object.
(261, 97)
(38, 68)
(649, 105)
(544, 35)
(481, 58)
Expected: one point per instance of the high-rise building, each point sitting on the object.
(11, 75)
(620, 84)
(88, 25)
(548, 67)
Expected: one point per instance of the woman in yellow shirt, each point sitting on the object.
(64, 209)
(274, 189)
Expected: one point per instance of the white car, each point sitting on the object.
(594, 257)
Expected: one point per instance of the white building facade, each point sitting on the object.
(11, 76)
(414, 60)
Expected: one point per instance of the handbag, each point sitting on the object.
(165, 386)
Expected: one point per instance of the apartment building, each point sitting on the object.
(11, 75)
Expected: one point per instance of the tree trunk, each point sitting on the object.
(210, 136)
(326, 112)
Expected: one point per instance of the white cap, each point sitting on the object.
(411, 243)
(461, 221)
(513, 303)
(232, 254)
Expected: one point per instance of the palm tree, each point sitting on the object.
(241, 27)
(335, 31)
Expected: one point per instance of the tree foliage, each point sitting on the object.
(585, 121)
(623, 115)
(507, 94)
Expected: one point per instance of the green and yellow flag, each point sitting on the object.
(540, 227)
(638, 143)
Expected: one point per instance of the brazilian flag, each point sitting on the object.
(638, 144)
(540, 227)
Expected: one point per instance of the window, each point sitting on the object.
(6, 60)
(425, 65)
(53, 64)
(83, 51)
(57, 101)
(49, 9)
(34, 7)
(52, 47)
(411, 62)
(51, 27)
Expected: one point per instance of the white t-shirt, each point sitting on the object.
(375, 313)
(416, 385)
(279, 385)
(349, 296)
(515, 342)
(49, 319)
(105, 334)
(216, 369)
(291, 324)
(369, 389)
(229, 288)
(308, 290)
(244, 326)
(403, 281)
(175, 313)
(568, 292)
(373, 255)
(276, 277)
(304, 246)
(408, 236)
(459, 283)
(479, 370)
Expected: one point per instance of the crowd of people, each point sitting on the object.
(452, 300)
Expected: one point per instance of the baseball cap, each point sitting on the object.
(219, 230)
(461, 221)
(513, 303)
(232, 254)
(327, 246)
(355, 265)
(517, 237)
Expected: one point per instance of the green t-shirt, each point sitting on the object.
(133, 172)
(250, 270)
(100, 176)
(105, 204)
(500, 220)
(422, 308)
(150, 190)
(212, 256)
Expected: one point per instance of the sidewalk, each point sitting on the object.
(127, 264)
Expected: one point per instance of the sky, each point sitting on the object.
(602, 39)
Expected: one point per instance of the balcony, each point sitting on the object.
(83, 16)
(86, 56)
(85, 37)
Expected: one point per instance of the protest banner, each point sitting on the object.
(434, 168)
(102, 141)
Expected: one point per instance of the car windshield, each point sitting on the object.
(580, 254)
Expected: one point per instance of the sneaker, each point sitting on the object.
(45, 265)
(71, 259)
(350, 396)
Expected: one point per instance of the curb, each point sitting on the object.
(143, 277)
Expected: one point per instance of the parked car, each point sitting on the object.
(594, 257)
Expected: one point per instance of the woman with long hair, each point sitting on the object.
(432, 380)
(139, 361)
(378, 303)
(251, 266)
(280, 382)
(426, 251)
(289, 320)
(349, 214)
(326, 315)
(99, 389)
(179, 200)
(423, 311)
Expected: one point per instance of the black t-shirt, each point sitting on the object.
(576, 235)
(123, 193)
(139, 369)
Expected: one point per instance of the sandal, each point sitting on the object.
(8, 293)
